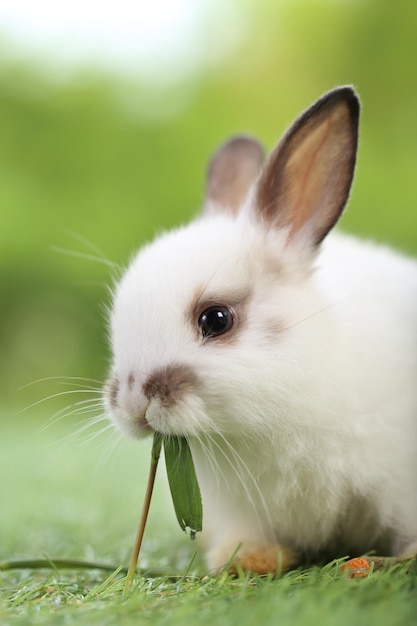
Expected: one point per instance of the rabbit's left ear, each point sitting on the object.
(231, 173)
(306, 181)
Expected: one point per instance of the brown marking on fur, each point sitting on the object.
(269, 560)
(112, 390)
(170, 384)
(194, 310)
(231, 173)
(131, 380)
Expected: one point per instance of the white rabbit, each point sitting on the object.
(286, 355)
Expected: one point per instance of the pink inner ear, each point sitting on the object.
(307, 179)
(231, 173)
(315, 188)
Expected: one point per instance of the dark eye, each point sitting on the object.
(215, 321)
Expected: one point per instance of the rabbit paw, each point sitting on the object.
(271, 559)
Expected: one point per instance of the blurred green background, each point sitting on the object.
(95, 164)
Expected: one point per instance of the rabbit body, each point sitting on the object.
(302, 415)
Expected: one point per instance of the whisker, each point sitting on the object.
(246, 470)
(75, 435)
(325, 308)
(87, 242)
(216, 469)
(63, 379)
(55, 395)
(92, 436)
(86, 257)
(85, 409)
(78, 409)
(80, 387)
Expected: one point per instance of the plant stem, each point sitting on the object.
(156, 451)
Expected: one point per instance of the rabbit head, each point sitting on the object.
(206, 322)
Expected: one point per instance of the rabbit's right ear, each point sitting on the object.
(306, 180)
(231, 173)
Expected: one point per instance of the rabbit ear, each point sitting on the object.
(231, 172)
(306, 181)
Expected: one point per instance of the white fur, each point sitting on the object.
(303, 426)
(292, 431)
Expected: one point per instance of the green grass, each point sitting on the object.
(62, 499)
(315, 596)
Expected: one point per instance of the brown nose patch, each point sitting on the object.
(170, 384)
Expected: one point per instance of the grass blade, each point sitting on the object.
(56, 564)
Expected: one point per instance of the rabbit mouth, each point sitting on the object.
(143, 424)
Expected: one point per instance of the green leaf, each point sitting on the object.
(183, 484)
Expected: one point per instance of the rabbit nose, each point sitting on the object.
(170, 384)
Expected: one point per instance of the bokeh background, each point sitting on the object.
(98, 153)
(108, 115)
